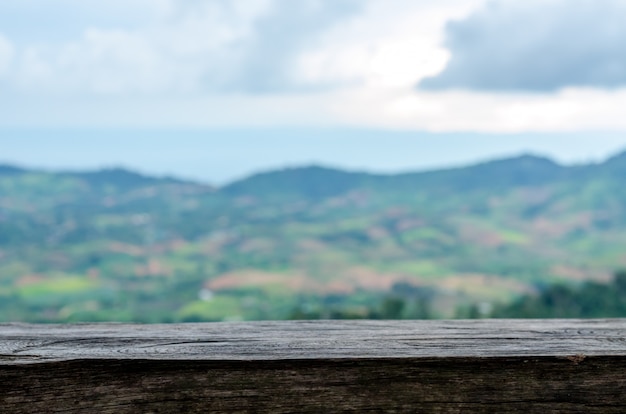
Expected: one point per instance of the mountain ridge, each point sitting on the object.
(526, 167)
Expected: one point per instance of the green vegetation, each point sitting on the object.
(589, 300)
(486, 240)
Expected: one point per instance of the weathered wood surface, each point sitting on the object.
(339, 366)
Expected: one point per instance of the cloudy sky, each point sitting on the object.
(373, 84)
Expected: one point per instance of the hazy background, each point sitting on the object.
(199, 88)
(223, 155)
(287, 123)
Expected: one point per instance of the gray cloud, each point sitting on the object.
(197, 47)
(536, 45)
(289, 28)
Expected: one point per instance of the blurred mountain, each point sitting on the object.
(121, 179)
(616, 164)
(10, 170)
(118, 245)
(313, 182)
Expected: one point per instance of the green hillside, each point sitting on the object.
(304, 242)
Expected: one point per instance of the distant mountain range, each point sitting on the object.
(117, 245)
(319, 181)
(117, 177)
(525, 170)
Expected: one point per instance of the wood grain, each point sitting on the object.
(339, 366)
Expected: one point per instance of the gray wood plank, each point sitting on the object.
(312, 340)
(521, 366)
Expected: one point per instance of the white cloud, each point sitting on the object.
(393, 43)
(568, 110)
(189, 47)
(101, 63)
(269, 46)
(186, 42)
(208, 63)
